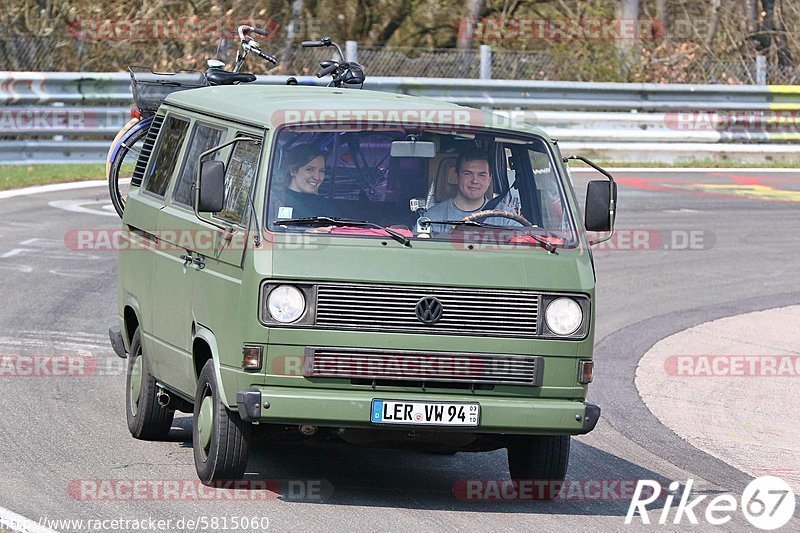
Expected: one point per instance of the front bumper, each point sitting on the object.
(351, 409)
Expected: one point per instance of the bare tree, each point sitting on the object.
(401, 13)
(712, 30)
(751, 15)
(663, 17)
(771, 35)
(627, 10)
(471, 13)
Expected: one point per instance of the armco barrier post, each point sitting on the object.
(486, 62)
(351, 51)
(761, 70)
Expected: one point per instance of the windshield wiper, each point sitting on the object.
(341, 222)
(549, 246)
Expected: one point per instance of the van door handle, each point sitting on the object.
(200, 261)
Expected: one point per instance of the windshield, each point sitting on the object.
(477, 187)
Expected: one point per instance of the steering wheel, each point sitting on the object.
(480, 215)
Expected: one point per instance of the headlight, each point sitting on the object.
(563, 316)
(286, 304)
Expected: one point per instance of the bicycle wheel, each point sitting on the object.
(122, 162)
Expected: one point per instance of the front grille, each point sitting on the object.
(392, 308)
(426, 368)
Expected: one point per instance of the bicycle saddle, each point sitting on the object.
(216, 76)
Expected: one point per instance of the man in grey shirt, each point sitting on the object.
(474, 178)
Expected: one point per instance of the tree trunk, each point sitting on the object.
(663, 18)
(712, 31)
(394, 23)
(291, 30)
(471, 13)
(627, 10)
(785, 59)
(764, 38)
(751, 15)
(627, 48)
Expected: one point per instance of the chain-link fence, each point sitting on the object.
(26, 53)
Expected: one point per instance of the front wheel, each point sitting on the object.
(541, 458)
(219, 436)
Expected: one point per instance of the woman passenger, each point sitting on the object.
(296, 196)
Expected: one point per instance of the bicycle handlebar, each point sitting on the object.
(262, 55)
(244, 31)
(327, 70)
(312, 44)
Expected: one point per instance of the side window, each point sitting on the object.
(240, 174)
(203, 138)
(551, 202)
(164, 160)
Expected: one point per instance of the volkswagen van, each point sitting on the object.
(378, 269)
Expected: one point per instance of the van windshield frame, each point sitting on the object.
(369, 187)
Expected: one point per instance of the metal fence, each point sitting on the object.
(45, 54)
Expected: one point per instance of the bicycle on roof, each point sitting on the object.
(149, 91)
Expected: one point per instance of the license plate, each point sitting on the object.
(425, 413)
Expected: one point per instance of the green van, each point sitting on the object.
(376, 268)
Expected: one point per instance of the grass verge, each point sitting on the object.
(17, 176)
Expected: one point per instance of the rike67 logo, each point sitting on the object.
(767, 503)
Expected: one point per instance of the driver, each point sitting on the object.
(474, 177)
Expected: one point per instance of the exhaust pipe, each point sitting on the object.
(172, 401)
(163, 398)
(307, 429)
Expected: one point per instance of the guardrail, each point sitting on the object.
(73, 109)
(104, 87)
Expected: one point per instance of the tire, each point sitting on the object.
(221, 443)
(540, 458)
(121, 168)
(147, 420)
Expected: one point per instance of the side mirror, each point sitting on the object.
(601, 201)
(211, 191)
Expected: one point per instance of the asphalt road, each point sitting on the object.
(685, 254)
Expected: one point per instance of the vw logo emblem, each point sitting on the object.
(429, 310)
